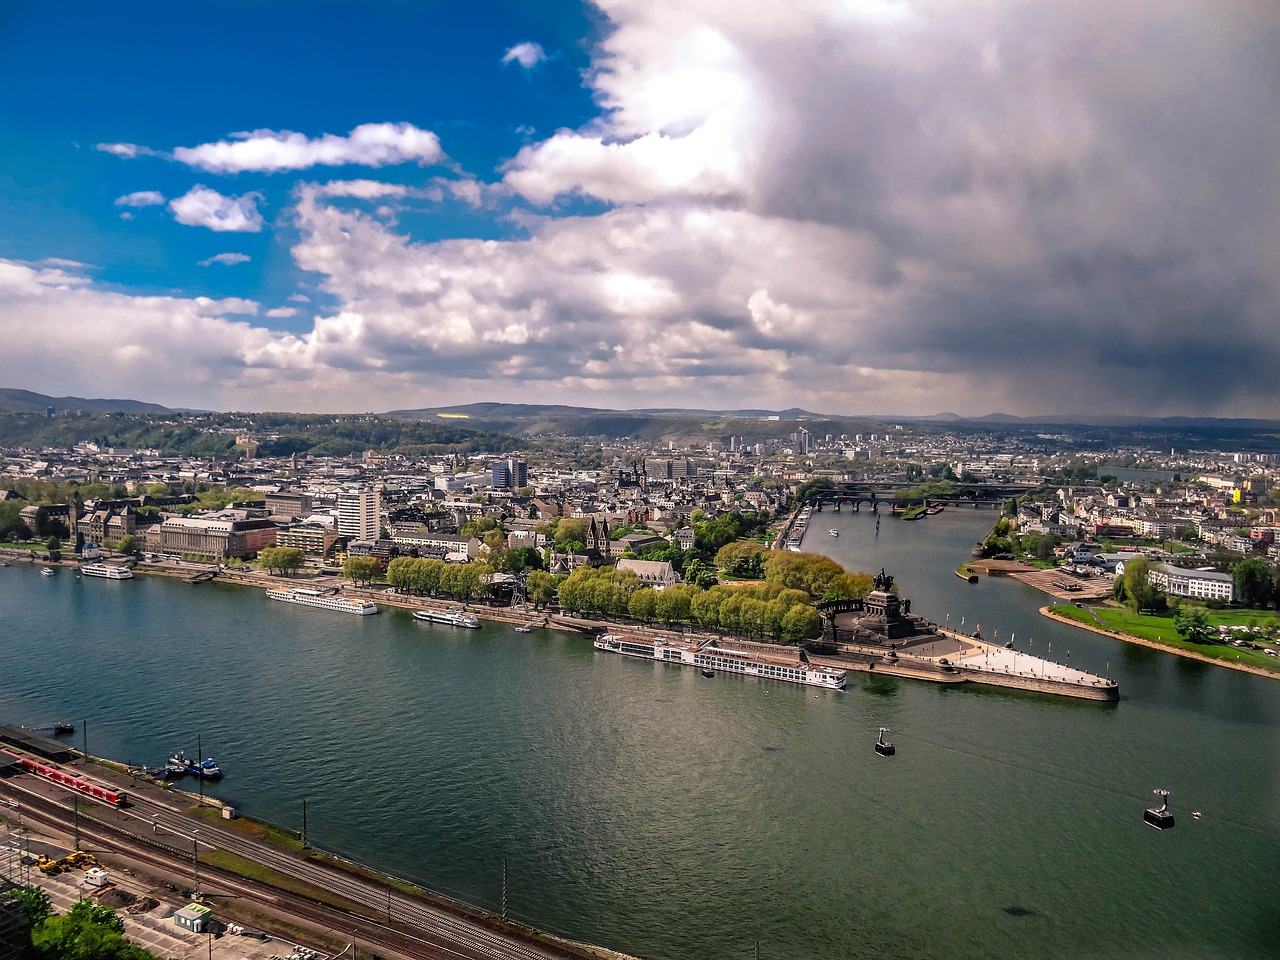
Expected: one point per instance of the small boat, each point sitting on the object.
(209, 770)
(833, 532)
(883, 746)
(708, 674)
(1160, 817)
(179, 765)
(1196, 814)
(524, 628)
(46, 571)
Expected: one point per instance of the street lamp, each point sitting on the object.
(195, 864)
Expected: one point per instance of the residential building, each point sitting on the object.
(360, 513)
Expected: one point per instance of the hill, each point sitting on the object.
(25, 401)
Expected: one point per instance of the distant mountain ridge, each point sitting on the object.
(25, 401)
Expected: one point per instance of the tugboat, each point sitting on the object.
(883, 746)
(1160, 817)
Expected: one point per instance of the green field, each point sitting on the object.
(1158, 628)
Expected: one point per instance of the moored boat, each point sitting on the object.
(324, 601)
(453, 618)
(46, 571)
(708, 656)
(107, 571)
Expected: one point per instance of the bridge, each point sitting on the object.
(854, 495)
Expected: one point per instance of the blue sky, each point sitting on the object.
(854, 206)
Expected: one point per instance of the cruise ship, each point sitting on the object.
(455, 618)
(710, 657)
(106, 570)
(325, 601)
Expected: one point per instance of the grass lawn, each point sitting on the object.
(1158, 628)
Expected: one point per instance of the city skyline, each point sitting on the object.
(865, 207)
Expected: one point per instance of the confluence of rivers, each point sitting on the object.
(645, 808)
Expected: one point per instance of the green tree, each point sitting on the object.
(1137, 585)
(1253, 583)
(88, 931)
(35, 904)
(540, 587)
(1192, 623)
(281, 560)
(700, 574)
(128, 544)
(361, 569)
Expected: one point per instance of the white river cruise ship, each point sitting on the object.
(710, 658)
(325, 601)
(106, 570)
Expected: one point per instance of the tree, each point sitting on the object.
(88, 931)
(1253, 583)
(282, 560)
(540, 587)
(1137, 585)
(128, 544)
(35, 904)
(1192, 623)
(700, 574)
(361, 569)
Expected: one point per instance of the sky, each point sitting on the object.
(857, 207)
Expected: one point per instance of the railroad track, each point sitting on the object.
(165, 838)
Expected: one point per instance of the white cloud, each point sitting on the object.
(127, 151)
(202, 207)
(528, 55)
(299, 298)
(142, 198)
(278, 313)
(370, 144)
(225, 258)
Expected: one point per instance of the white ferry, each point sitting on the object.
(454, 618)
(325, 601)
(106, 570)
(710, 657)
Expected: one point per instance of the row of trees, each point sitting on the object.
(767, 609)
(463, 581)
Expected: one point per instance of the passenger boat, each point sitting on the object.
(46, 571)
(106, 570)
(324, 601)
(707, 656)
(454, 618)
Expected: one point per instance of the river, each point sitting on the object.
(660, 813)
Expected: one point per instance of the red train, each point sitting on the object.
(76, 781)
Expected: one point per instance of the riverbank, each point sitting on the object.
(1143, 642)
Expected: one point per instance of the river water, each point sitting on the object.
(654, 811)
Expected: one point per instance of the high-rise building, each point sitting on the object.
(510, 474)
(359, 513)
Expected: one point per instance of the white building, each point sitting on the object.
(1200, 584)
(359, 513)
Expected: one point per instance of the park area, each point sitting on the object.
(1253, 627)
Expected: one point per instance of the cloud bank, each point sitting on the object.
(853, 207)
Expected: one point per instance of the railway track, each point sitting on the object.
(165, 838)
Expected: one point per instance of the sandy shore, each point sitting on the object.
(1189, 654)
